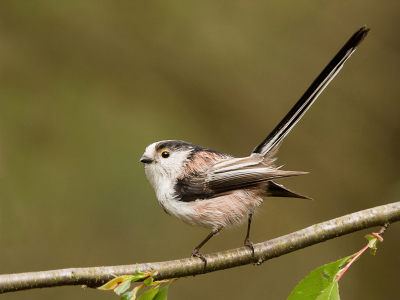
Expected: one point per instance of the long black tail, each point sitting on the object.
(274, 139)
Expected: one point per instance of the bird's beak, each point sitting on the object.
(146, 160)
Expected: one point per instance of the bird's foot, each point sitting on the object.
(249, 244)
(196, 253)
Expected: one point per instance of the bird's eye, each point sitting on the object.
(165, 154)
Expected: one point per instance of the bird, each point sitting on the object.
(207, 188)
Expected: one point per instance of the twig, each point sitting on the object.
(358, 254)
(97, 276)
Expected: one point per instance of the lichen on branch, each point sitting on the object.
(97, 276)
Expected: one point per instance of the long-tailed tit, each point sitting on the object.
(207, 188)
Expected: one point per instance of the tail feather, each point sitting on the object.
(271, 144)
(278, 190)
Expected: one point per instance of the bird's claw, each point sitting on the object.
(249, 244)
(199, 255)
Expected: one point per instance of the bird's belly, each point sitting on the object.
(216, 212)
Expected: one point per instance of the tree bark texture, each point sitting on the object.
(97, 276)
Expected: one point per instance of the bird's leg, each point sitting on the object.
(195, 252)
(247, 242)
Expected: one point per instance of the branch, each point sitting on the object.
(94, 277)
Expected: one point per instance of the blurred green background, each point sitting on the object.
(85, 86)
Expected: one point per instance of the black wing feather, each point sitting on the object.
(192, 188)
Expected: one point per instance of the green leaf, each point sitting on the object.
(153, 273)
(127, 296)
(148, 281)
(322, 278)
(370, 237)
(149, 295)
(162, 295)
(138, 272)
(112, 284)
(137, 277)
(372, 243)
(123, 287)
(131, 295)
(331, 292)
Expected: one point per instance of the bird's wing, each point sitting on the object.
(232, 174)
(242, 173)
(193, 186)
(271, 144)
